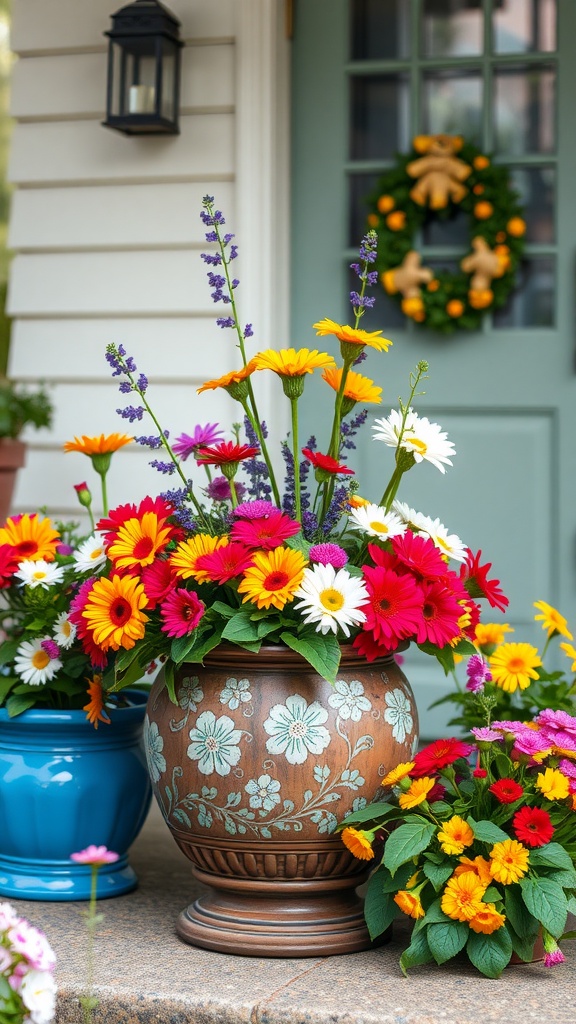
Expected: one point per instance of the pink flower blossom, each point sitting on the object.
(32, 944)
(553, 958)
(95, 855)
(328, 554)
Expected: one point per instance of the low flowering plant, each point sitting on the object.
(27, 962)
(480, 844)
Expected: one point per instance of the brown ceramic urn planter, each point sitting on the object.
(252, 769)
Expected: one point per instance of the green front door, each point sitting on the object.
(368, 75)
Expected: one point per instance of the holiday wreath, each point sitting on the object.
(441, 174)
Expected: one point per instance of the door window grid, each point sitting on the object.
(514, 101)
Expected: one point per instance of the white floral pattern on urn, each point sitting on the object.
(214, 744)
(398, 714)
(153, 746)
(297, 729)
(235, 693)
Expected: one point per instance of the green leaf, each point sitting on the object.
(447, 939)
(169, 680)
(6, 684)
(441, 809)
(225, 610)
(517, 913)
(418, 952)
(437, 873)
(443, 654)
(393, 883)
(322, 652)
(486, 831)
(299, 543)
(240, 629)
(546, 902)
(523, 945)
(490, 953)
(465, 647)
(8, 650)
(198, 653)
(379, 907)
(435, 914)
(406, 842)
(567, 879)
(552, 855)
(491, 895)
(182, 645)
(372, 812)
(18, 703)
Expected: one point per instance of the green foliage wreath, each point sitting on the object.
(440, 174)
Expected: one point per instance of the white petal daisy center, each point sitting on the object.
(331, 599)
(40, 659)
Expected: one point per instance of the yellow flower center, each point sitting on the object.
(332, 599)
(419, 445)
(516, 665)
(96, 553)
(40, 659)
(39, 575)
(65, 628)
(378, 527)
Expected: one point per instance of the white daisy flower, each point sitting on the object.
(331, 598)
(410, 516)
(427, 441)
(447, 543)
(91, 554)
(39, 574)
(376, 522)
(64, 631)
(33, 663)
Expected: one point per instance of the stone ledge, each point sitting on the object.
(145, 974)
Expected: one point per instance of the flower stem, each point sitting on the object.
(295, 453)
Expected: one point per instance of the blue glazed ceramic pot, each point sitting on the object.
(63, 786)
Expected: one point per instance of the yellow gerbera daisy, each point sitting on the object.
(359, 843)
(352, 335)
(409, 903)
(357, 388)
(551, 620)
(513, 666)
(462, 897)
(397, 773)
(104, 444)
(491, 634)
(234, 377)
(479, 865)
(455, 835)
(570, 652)
(113, 612)
(291, 362)
(488, 920)
(552, 784)
(509, 861)
(138, 541)
(186, 555)
(274, 578)
(417, 793)
(33, 539)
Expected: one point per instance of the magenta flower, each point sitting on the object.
(95, 856)
(181, 612)
(268, 532)
(186, 444)
(328, 554)
(553, 958)
(478, 673)
(255, 509)
(219, 489)
(485, 735)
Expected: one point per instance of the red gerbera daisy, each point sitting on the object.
(385, 559)
(118, 516)
(326, 462)
(225, 562)
(368, 647)
(438, 755)
(395, 609)
(420, 555)
(8, 565)
(181, 612)
(267, 533)
(474, 576)
(225, 453)
(506, 791)
(440, 615)
(98, 657)
(533, 826)
(158, 579)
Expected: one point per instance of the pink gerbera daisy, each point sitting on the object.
(159, 579)
(254, 509)
(266, 533)
(440, 613)
(181, 612)
(395, 608)
(226, 562)
(186, 444)
(475, 578)
(98, 657)
(328, 554)
(420, 555)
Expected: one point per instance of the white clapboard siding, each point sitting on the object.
(114, 216)
(52, 25)
(83, 152)
(74, 85)
(194, 348)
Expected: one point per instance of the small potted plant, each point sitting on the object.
(19, 407)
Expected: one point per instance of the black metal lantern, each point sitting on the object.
(143, 70)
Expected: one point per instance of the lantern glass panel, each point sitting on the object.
(167, 108)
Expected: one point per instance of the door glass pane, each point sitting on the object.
(537, 189)
(452, 103)
(452, 28)
(380, 29)
(524, 104)
(379, 116)
(454, 230)
(360, 187)
(523, 26)
(532, 303)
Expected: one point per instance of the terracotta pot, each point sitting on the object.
(252, 770)
(538, 953)
(12, 458)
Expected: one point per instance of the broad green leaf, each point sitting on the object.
(406, 842)
(240, 629)
(299, 543)
(572, 905)
(441, 809)
(398, 881)
(18, 703)
(169, 680)
(225, 610)
(266, 626)
(379, 907)
(322, 652)
(546, 902)
(465, 647)
(371, 812)
(523, 945)
(418, 952)
(490, 953)
(567, 879)
(443, 654)
(486, 831)
(6, 684)
(552, 856)
(182, 645)
(517, 913)
(491, 895)
(249, 645)
(198, 653)
(130, 675)
(437, 873)
(447, 939)
(435, 914)
(8, 650)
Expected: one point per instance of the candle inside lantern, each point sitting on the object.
(141, 99)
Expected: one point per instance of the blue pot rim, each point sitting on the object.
(57, 716)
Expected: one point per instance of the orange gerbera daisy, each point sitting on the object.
(509, 861)
(95, 707)
(185, 558)
(30, 537)
(274, 578)
(417, 793)
(113, 612)
(455, 835)
(397, 773)
(487, 920)
(409, 903)
(291, 362)
(139, 540)
(462, 897)
(357, 388)
(479, 865)
(228, 380)
(104, 444)
(359, 843)
(352, 335)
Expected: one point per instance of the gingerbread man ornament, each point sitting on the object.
(484, 264)
(439, 171)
